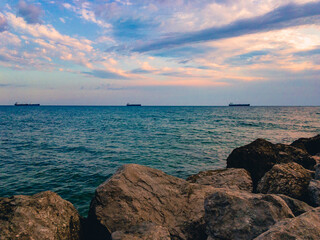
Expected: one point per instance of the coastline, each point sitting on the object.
(266, 188)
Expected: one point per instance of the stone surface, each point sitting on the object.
(232, 178)
(259, 156)
(311, 145)
(314, 192)
(317, 174)
(136, 194)
(297, 207)
(41, 216)
(290, 179)
(240, 215)
(317, 158)
(143, 231)
(304, 227)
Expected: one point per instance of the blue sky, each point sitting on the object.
(160, 52)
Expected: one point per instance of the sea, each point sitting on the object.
(71, 150)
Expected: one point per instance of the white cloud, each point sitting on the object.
(85, 12)
(7, 38)
(48, 32)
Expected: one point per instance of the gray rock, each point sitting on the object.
(240, 215)
(314, 192)
(317, 174)
(232, 178)
(136, 194)
(143, 231)
(41, 216)
(304, 227)
(290, 179)
(297, 207)
(311, 145)
(259, 157)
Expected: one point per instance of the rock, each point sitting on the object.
(290, 179)
(314, 192)
(317, 174)
(240, 215)
(259, 156)
(41, 216)
(311, 145)
(143, 231)
(136, 194)
(232, 178)
(317, 158)
(297, 207)
(304, 227)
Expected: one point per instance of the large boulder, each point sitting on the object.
(232, 178)
(136, 194)
(143, 231)
(304, 227)
(314, 192)
(290, 179)
(41, 216)
(259, 157)
(311, 145)
(240, 215)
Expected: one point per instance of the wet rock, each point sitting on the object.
(41, 216)
(259, 157)
(232, 178)
(136, 194)
(304, 227)
(314, 192)
(297, 207)
(240, 215)
(143, 231)
(311, 145)
(290, 179)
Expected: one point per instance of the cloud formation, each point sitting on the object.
(83, 9)
(105, 74)
(307, 53)
(282, 17)
(48, 32)
(238, 43)
(30, 13)
(3, 24)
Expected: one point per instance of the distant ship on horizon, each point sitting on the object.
(133, 105)
(26, 104)
(239, 105)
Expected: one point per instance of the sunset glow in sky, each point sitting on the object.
(160, 52)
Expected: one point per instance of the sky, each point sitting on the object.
(160, 52)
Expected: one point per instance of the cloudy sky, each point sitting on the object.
(160, 52)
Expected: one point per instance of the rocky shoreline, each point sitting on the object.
(268, 191)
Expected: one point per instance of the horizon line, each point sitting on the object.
(80, 105)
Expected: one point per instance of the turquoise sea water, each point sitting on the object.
(71, 150)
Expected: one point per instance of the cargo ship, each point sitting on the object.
(27, 104)
(239, 105)
(133, 105)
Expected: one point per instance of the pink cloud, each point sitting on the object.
(3, 23)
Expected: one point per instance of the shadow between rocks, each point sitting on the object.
(93, 230)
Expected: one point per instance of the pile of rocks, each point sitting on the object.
(268, 191)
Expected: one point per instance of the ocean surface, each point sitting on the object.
(71, 150)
